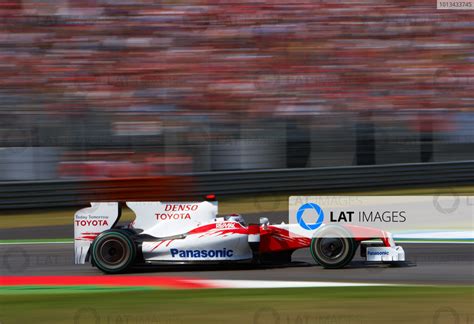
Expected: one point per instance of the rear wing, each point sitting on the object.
(90, 222)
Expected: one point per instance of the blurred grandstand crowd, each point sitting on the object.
(217, 84)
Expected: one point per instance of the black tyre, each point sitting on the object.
(113, 251)
(333, 248)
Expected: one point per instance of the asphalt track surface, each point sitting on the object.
(438, 264)
(428, 264)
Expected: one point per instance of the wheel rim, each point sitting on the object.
(332, 249)
(113, 252)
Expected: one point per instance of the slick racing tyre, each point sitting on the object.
(333, 247)
(113, 251)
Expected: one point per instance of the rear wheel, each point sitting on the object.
(113, 251)
(333, 248)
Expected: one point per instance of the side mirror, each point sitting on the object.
(264, 221)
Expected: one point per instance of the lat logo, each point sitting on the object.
(344, 216)
(310, 207)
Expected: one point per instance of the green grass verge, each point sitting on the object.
(420, 304)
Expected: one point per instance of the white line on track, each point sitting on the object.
(284, 284)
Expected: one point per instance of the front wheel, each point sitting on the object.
(333, 250)
(113, 251)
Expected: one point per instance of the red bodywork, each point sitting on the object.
(275, 239)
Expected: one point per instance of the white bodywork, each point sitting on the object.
(162, 219)
(170, 219)
(90, 222)
(191, 231)
(214, 245)
(385, 254)
(173, 228)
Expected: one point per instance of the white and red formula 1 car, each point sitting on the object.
(192, 232)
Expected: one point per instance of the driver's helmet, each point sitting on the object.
(235, 218)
